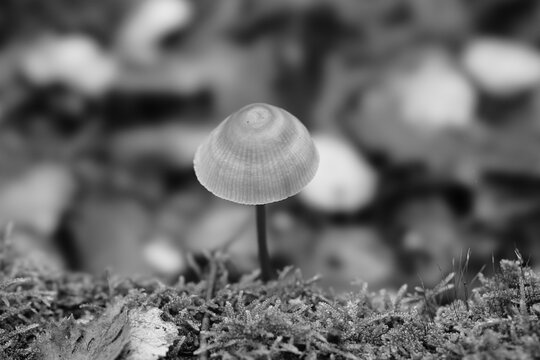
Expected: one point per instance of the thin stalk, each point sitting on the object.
(210, 284)
(267, 272)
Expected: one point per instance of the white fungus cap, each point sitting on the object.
(74, 60)
(344, 182)
(258, 155)
(502, 67)
(150, 21)
(437, 95)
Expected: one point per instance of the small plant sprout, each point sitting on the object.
(258, 155)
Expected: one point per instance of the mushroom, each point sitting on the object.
(258, 155)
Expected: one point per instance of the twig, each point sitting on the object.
(209, 294)
(193, 264)
(522, 295)
(464, 272)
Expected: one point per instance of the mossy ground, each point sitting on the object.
(291, 318)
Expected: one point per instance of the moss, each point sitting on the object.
(291, 318)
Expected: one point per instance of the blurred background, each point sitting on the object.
(426, 115)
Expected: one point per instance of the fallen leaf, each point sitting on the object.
(150, 336)
(101, 339)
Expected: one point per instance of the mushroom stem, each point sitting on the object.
(267, 272)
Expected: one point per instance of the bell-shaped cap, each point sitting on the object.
(258, 155)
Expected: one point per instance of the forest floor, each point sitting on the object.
(77, 316)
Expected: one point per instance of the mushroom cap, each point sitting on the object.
(258, 155)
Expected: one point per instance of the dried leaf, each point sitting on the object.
(150, 337)
(102, 339)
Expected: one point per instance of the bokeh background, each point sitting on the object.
(426, 115)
